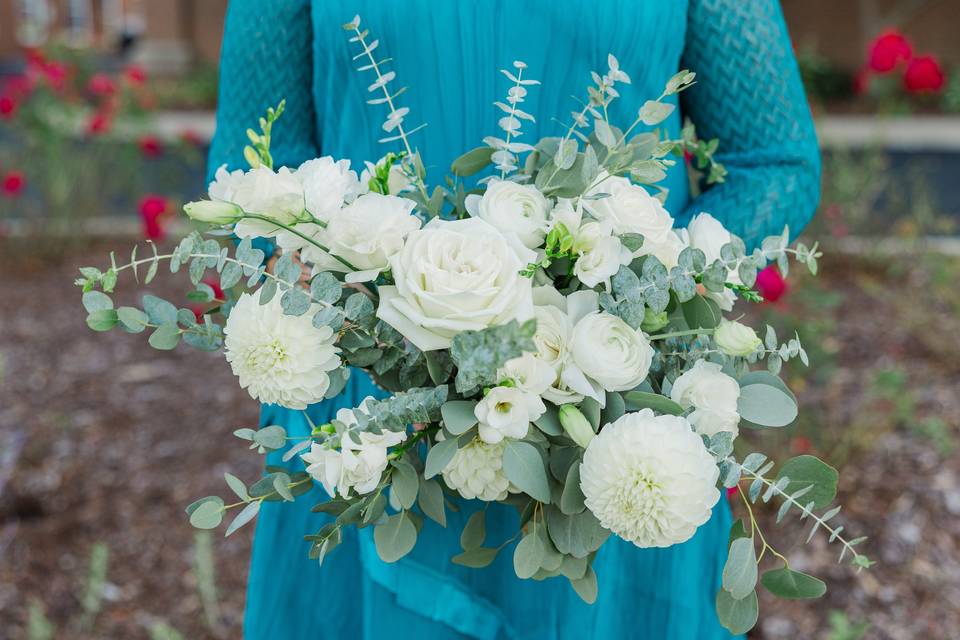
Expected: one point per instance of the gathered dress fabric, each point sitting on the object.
(448, 54)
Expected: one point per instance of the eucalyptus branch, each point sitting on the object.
(303, 236)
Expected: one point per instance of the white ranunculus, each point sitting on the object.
(506, 412)
(279, 359)
(600, 254)
(607, 354)
(356, 467)
(454, 276)
(630, 209)
(649, 479)
(513, 208)
(736, 338)
(667, 251)
(366, 233)
(476, 471)
(707, 234)
(529, 373)
(276, 195)
(712, 395)
(328, 185)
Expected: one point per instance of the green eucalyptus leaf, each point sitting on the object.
(523, 466)
(766, 405)
(166, 337)
(395, 538)
(527, 556)
(807, 470)
(737, 616)
(474, 531)
(476, 558)
(405, 484)
(102, 320)
(740, 570)
(792, 585)
(439, 456)
(458, 416)
(636, 400)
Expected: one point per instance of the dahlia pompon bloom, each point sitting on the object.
(279, 359)
(649, 479)
(888, 50)
(924, 75)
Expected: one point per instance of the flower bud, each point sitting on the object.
(653, 321)
(213, 211)
(736, 339)
(576, 425)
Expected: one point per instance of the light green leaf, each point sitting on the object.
(159, 310)
(524, 467)
(404, 483)
(571, 500)
(238, 486)
(527, 556)
(809, 470)
(208, 514)
(740, 570)
(458, 416)
(431, 501)
(792, 585)
(737, 616)
(766, 405)
(472, 161)
(586, 587)
(636, 400)
(96, 301)
(102, 320)
(653, 112)
(474, 531)
(246, 514)
(166, 337)
(395, 538)
(439, 456)
(132, 319)
(701, 313)
(476, 558)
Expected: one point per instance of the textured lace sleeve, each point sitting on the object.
(749, 95)
(266, 57)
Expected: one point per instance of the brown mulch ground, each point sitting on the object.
(104, 440)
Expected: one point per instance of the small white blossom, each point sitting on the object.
(506, 412)
(356, 467)
(736, 338)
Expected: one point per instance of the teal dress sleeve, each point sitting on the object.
(749, 95)
(266, 57)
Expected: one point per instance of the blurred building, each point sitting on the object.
(163, 35)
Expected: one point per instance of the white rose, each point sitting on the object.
(529, 373)
(355, 466)
(736, 339)
(454, 276)
(275, 195)
(607, 354)
(328, 185)
(366, 233)
(600, 254)
(713, 396)
(506, 412)
(707, 234)
(513, 208)
(552, 339)
(630, 209)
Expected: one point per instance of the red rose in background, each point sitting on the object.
(888, 50)
(771, 284)
(135, 74)
(18, 86)
(55, 73)
(924, 75)
(13, 184)
(99, 123)
(214, 284)
(100, 84)
(151, 146)
(8, 107)
(152, 209)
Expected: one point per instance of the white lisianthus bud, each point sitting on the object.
(736, 339)
(507, 412)
(213, 212)
(576, 425)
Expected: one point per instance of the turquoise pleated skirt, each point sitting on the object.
(645, 594)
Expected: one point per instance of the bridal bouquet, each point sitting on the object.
(549, 341)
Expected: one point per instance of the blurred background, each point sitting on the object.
(106, 110)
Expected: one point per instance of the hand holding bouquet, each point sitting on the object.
(562, 348)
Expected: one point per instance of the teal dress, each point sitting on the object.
(448, 54)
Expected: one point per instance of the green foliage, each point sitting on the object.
(96, 579)
(524, 466)
(809, 471)
(478, 355)
(396, 537)
(792, 585)
(737, 616)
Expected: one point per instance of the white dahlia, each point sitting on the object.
(476, 471)
(649, 479)
(279, 359)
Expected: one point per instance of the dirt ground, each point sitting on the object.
(103, 441)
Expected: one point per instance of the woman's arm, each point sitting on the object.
(749, 95)
(267, 57)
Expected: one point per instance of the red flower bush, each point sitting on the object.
(888, 50)
(151, 146)
(99, 123)
(13, 184)
(924, 75)
(771, 284)
(8, 107)
(100, 84)
(152, 210)
(135, 74)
